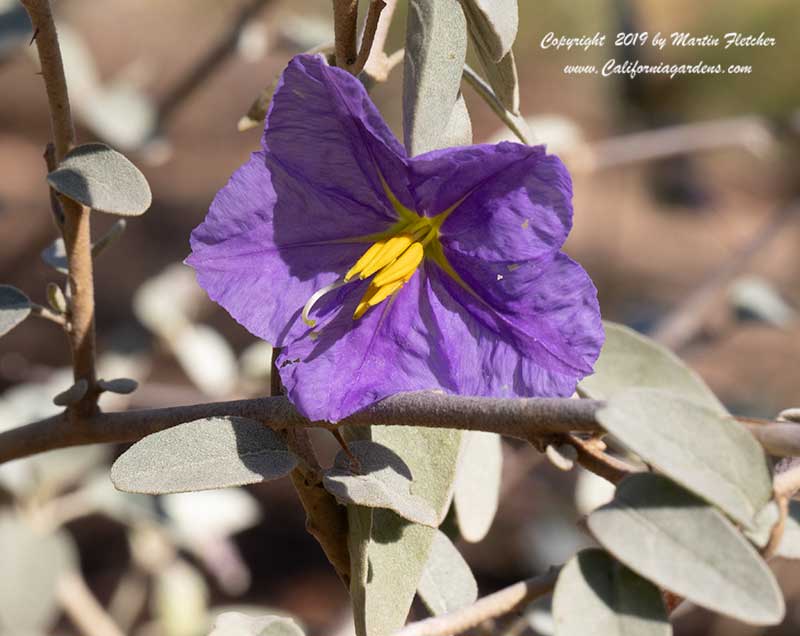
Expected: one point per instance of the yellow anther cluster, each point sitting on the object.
(393, 261)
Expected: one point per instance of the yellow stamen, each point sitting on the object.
(393, 248)
(376, 295)
(365, 260)
(404, 266)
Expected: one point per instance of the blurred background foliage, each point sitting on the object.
(650, 233)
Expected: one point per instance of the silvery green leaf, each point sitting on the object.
(55, 255)
(180, 599)
(108, 239)
(73, 394)
(206, 358)
(712, 455)
(790, 415)
(121, 114)
(591, 492)
(123, 386)
(477, 487)
(789, 547)
(15, 307)
(382, 480)
(494, 24)
(102, 179)
(238, 624)
(459, 127)
(503, 78)
(388, 553)
(754, 297)
(211, 453)
(562, 456)
(258, 109)
(210, 514)
(595, 594)
(629, 359)
(667, 535)
(436, 46)
(56, 298)
(517, 125)
(167, 302)
(32, 565)
(763, 524)
(447, 583)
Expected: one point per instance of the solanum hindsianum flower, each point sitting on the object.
(377, 273)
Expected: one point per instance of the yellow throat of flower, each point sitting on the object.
(392, 258)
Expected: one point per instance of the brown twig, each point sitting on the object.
(376, 7)
(680, 326)
(592, 458)
(486, 608)
(345, 26)
(48, 314)
(206, 66)
(77, 231)
(520, 418)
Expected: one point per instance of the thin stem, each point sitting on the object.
(599, 462)
(48, 314)
(76, 228)
(368, 38)
(83, 608)
(345, 25)
(377, 60)
(488, 607)
(520, 418)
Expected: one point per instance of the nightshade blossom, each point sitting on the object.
(377, 273)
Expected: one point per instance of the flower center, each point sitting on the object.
(392, 260)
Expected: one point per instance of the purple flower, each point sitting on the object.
(378, 273)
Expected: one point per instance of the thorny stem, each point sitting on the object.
(76, 227)
(486, 608)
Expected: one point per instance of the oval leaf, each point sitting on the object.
(477, 488)
(15, 307)
(73, 394)
(217, 452)
(714, 456)
(123, 386)
(55, 255)
(388, 554)
(447, 583)
(382, 480)
(436, 47)
(629, 359)
(596, 594)
(669, 536)
(789, 547)
(102, 179)
(238, 624)
(32, 565)
(493, 24)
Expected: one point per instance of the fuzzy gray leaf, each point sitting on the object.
(477, 488)
(494, 24)
(712, 455)
(383, 480)
(667, 535)
(629, 359)
(238, 624)
(102, 179)
(123, 386)
(15, 307)
(217, 452)
(447, 583)
(32, 565)
(597, 595)
(436, 47)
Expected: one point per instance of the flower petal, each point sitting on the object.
(428, 337)
(325, 130)
(516, 201)
(251, 253)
